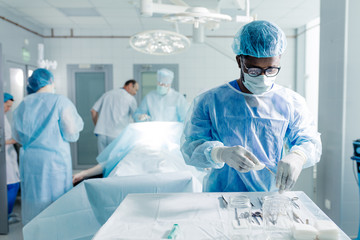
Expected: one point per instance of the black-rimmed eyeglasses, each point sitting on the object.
(255, 71)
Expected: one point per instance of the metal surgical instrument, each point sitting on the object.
(294, 203)
(237, 216)
(255, 215)
(224, 200)
(269, 170)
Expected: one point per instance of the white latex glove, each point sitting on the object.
(236, 157)
(289, 169)
(144, 117)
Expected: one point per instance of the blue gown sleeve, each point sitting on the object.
(71, 124)
(302, 134)
(142, 109)
(183, 106)
(197, 140)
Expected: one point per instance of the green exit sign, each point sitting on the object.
(26, 55)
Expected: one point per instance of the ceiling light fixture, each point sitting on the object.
(197, 16)
(44, 63)
(159, 42)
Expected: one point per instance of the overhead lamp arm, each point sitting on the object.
(247, 18)
(247, 8)
(179, 3)
(148, 7)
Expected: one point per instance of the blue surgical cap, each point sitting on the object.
(165, 76)
(40, 78)
(7, 97)
(259, 39)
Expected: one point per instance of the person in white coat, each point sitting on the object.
(112, 113)
(12, 168)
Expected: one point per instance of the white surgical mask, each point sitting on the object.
(162, 90)
(258, 84)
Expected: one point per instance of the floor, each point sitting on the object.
(15, 229)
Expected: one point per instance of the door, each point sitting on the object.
(16, 77)
(145, 75)
(86, 87)
(4, 227)
(17, 84)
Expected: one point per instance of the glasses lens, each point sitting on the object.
(271, 72)
(254, 71)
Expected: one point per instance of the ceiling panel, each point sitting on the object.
(279, 4)
(68, 3)
(310, 5)
(118, 12)
(55, 22)
(26, 3)
(121, 21)
(124, 14)
(41, 12)
(34, 22)
(86, 21)
(114, 4)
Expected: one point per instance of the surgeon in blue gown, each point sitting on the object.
(238, 128)
(164, 103)
(44, 123)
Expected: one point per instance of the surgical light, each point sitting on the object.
(159, 42)
(197, 16)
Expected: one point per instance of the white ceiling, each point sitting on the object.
(122, 16)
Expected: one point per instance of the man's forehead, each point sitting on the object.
(268, 60)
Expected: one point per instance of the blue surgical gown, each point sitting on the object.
(263, 124)
(170, 107)
(45, 123)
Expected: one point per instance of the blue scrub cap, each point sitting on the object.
(259, 39)
(165, 76)
(40, 78)
(7, 97)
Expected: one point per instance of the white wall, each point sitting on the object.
(338, 110)
(12, 41)
(200, 67)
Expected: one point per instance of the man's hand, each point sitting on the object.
(236, 157)
(78, 177)
(289, 169)
(94, 116)
(144, 117)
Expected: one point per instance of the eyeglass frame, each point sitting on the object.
(262, 70)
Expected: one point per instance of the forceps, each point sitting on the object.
(224, 201)
(269, 170)
(294, 203)
(237, 216)
(255, 215)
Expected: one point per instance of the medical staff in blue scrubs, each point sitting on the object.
(164, 103)
(44, 124)
(239, 127)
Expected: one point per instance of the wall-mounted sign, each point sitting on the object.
(26, 55)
